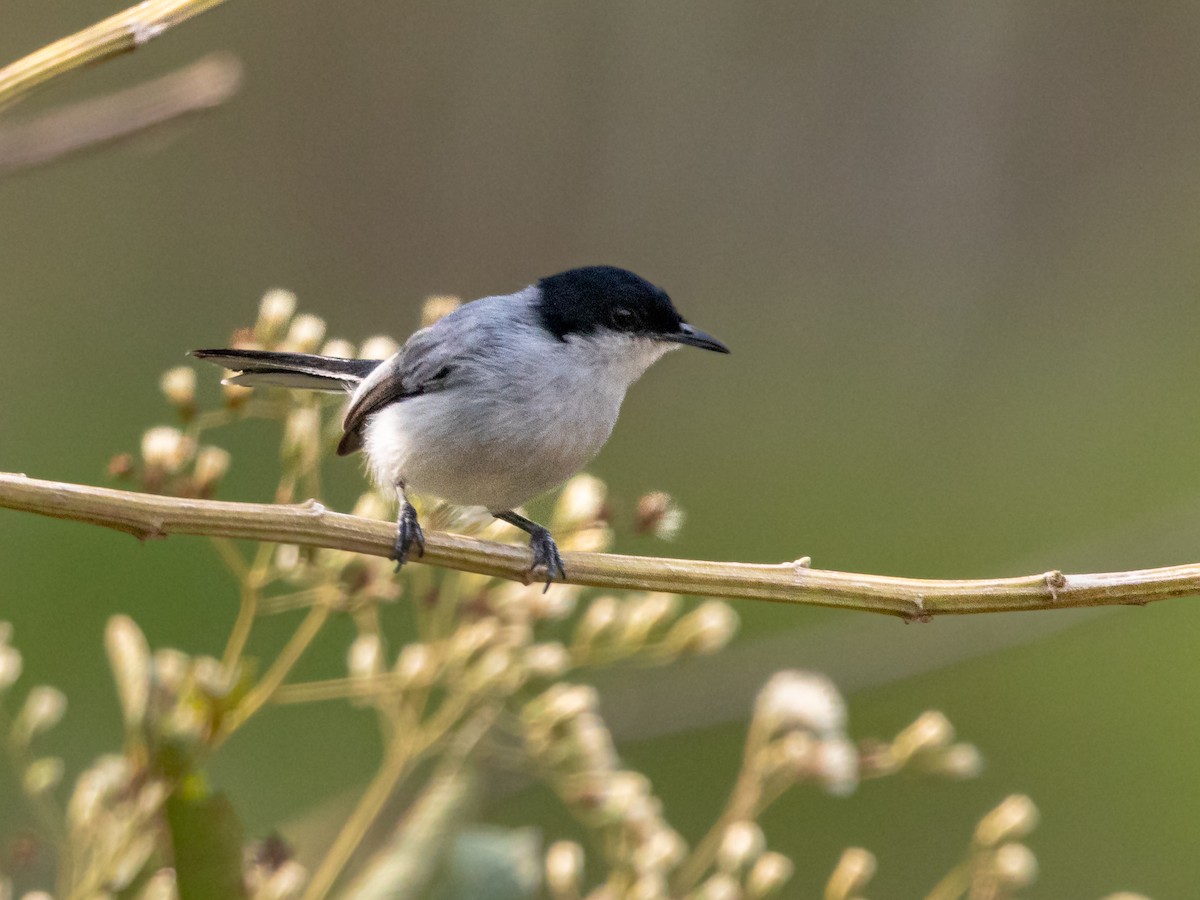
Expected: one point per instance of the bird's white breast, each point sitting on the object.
(512, 424)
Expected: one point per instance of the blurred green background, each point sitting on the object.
(954, 249)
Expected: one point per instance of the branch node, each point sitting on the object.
(314, 506)
(804, 562)
(919, 618)
(1055, 581)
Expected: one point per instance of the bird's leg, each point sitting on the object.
(545, 551)
(408, 530)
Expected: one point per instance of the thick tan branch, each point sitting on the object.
(149, 516)
(117, 34)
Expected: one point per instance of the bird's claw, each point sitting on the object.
(408, 533)
(546, 556)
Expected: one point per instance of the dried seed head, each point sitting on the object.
(129, 658)
(179, 387)
(769, 875)
(795, 699)
(275, 310)
(1014, 866)
(338, 349)
(1014, 818)
(305, 333)
(564, 868)
(660, 515)
(853, 872)
(166, 449)
(378, 347)
(438, 307)
(742, 843)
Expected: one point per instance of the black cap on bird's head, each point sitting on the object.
(585, 301)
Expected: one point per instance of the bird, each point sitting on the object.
(497, 402)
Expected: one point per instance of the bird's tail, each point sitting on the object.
(302, 371)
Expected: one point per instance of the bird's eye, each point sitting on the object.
(625, 318)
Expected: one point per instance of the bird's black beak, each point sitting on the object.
(694, 337)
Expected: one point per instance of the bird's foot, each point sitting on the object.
(546, 556)
(408, 533)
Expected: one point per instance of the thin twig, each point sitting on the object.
(311, 524)
(117, 34)
(69, 129)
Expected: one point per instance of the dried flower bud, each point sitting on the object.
(661, 851)
(338, 349)
(11, 665)
(794, 755)
(372, 506)
(108, 776)
(438, 307)
(416, 666)
(211, 465)
(548, 660)
(129, 658)
(302, 435)
(287, 558)
(120, 466)
(580, 502)
(649, 886)
(646, 612)
(555, 604)
(42, 775)
(564, 869)
(365, 657)
(179, 387)
(795, 699)
(469, 639)
(37, 895)
(212, 678)
(853, 872)
(235, 395)
(1014, 866)
(1014, 818)
(166, 449)
(742, 843)
(495, 669)
(706, 629)
(160, 886)
(274, 312)
(305, 334)
(769, 875)
(719, 887)
(43, 709)
(171, 669)
(931, 731)
(658, 514)
(378, 347)
(594, 744)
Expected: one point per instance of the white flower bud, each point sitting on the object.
(179, 386)
(1014, 818)
(649, 886)
(365, 656)
(160, 886)
(416, 666)
(305, 334)
(566, 701)
(555, 604)
(166, 448)
(931, 731)
(274, 311)
(469, 639)
(794, 699)
(661, 851)
(302, 435)
(837, 766)
(564, 868)
(854, 870)
(1014, 866)
(42, 775)
(646, 612)
(719, 887)
(706, 629)
(372, 506)
(379, 347)
(438, 307)
(212, 678)
(547, 660)
(581, 501)
(11, 665)
(171, 669)
(770, 873)
(211, 465)
(129, 658)
(601, 617)
(43, 709)
(959, 761)
(742, 843)
(338, 349)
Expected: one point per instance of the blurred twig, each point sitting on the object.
(117, 34)
(199, 86)
(311, 524)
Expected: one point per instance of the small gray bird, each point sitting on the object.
(497, 402)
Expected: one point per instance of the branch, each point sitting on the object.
(117, 34)
(202, 85)
(149, 516)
